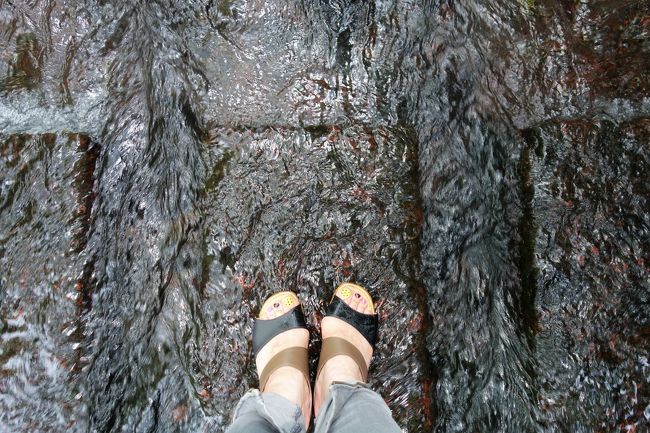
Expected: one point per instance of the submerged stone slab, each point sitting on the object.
(306, 210)
(46, 184)
(590, 216)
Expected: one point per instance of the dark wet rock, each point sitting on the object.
(592, 201)
(608, 46)
(25, 68)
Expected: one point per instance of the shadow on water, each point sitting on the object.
(482, 167)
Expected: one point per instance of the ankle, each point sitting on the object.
(342, 369)
(337, 372)
(288, 383)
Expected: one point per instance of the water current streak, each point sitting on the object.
(145, 233)
(480, 345)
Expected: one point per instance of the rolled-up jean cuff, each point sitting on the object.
(281, 413)
(343, 395)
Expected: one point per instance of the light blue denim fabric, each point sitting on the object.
(350, 407)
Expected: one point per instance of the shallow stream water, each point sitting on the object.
(481, 166)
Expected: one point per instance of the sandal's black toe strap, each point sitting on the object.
(366, 324)
(265, 330)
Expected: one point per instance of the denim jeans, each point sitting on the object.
(350, 407)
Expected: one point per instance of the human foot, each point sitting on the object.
(287, 381)
(344, 367)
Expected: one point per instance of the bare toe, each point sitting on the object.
(266, 312)
(355, 299)
(278, 309)
(277, 305)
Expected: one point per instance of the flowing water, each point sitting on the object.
(481, 166)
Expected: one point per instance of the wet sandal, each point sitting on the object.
(366, 324)
(264, 330)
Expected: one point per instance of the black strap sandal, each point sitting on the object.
(264, 330)
(366, 324)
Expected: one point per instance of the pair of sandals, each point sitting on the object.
(264, 330)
